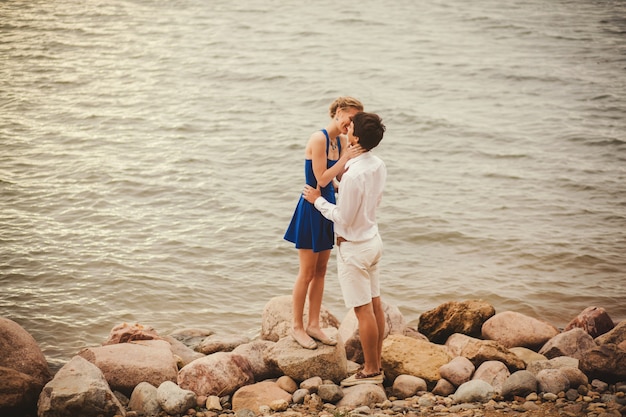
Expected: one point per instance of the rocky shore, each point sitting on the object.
(460, 359)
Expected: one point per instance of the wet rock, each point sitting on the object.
(465, 317)
(512, 329)
(593, 320)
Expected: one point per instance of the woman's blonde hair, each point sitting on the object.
(344, 103)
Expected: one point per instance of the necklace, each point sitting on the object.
(333, 144)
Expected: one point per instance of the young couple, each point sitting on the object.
(342, 152)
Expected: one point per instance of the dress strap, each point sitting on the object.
(339, 144)
(327, 141)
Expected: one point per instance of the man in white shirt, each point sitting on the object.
(359, 247)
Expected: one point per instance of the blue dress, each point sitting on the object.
(308, 228)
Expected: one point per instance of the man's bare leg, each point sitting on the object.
(369, 336)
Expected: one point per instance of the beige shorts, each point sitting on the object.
(357, 268)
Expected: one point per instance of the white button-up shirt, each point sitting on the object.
(360, 194)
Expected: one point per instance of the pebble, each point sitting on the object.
(599, 401)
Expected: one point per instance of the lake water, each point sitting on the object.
(151, 156)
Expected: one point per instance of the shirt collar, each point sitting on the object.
(357, 158)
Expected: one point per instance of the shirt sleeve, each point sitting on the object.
(345, 212)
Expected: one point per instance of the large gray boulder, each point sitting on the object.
(79, 388)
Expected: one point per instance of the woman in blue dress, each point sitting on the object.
(326, 154)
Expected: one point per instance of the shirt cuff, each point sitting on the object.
(318, 202)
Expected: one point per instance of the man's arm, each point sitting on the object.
(343, 214)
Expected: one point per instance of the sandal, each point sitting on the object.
(307, 345)
(363, 378)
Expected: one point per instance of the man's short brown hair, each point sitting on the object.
(369, 128)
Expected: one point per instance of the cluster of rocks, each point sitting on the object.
(461, 358)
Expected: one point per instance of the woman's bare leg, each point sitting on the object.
(306, 275)
(316, 292)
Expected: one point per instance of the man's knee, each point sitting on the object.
(364, 311)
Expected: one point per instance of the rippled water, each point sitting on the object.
(152, 151)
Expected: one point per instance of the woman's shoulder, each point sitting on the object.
(317, 138)
(316, 144)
